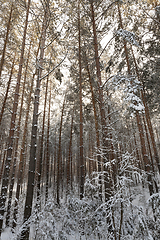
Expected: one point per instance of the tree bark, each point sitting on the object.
(5, 181)
(96, 127)
(107, 180)
(7, 90)
(147, 115)
(23, 150)
(3, 162)
(150, 153)
(81, 158)
(59, 156)
(40, 160)
(16, 143)
(6, 39)
(69, 156)
(139, 123)
(32, 161)
(48, 151)
(55, 161)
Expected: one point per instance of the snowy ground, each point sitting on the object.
(139, 195)
(7, 235)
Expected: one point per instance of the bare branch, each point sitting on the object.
(55, 66)
(106, 81)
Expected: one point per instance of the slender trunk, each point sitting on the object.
(157, 135)
(144, 154)
(149, 147)
(147, 115)
(16, 143)
(48, 151)
(6, 39)
(1, 148)
(59, 156)
(22, 152)
(96, 127)
(32, 160)
(69, 156)
(139, 123)
(44, 167)
(148, 119)
(114, 226)
(77, 166)
(81, 110)
(125, 44)
(12, 127)
(51, 176)
(121, 222)
(150, 153)
(95, 113)
(139, 158)
(90, 161)
(72, 170)
(40, 160)
(62, 171)
(55, 160)
(107, 181)
(112, 156)
(3, 162)
(7, 90)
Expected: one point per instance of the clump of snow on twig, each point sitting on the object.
(128, 36)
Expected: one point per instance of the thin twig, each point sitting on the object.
(54, 67)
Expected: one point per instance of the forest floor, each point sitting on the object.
(50, 218)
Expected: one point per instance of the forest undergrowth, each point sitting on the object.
(127, 215)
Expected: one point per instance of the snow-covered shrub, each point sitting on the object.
(154, 202)
(128, 36)
(154, 222)
(129, 87)
(141, 230)
(91, 218)
(45, 224)
(91, 187)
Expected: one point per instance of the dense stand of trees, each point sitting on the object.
(79, 117)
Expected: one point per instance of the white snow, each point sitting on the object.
(6, 234)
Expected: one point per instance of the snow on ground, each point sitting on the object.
(141, 195)
(7, 234)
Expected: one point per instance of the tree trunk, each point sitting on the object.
(59, 156)
(96, 127)
(23, 150)
(150, 153)
(48, 151)
(81, 159)
(69, 156)
(40, 160)
(5, 181)
(107, 180)
(7, 90)
(112, 156)
(3, 162)
(6, 39)
(55, 161)
(147, 115)
(144, 154)
(16, 143)
(32, 161)
(139, 123)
